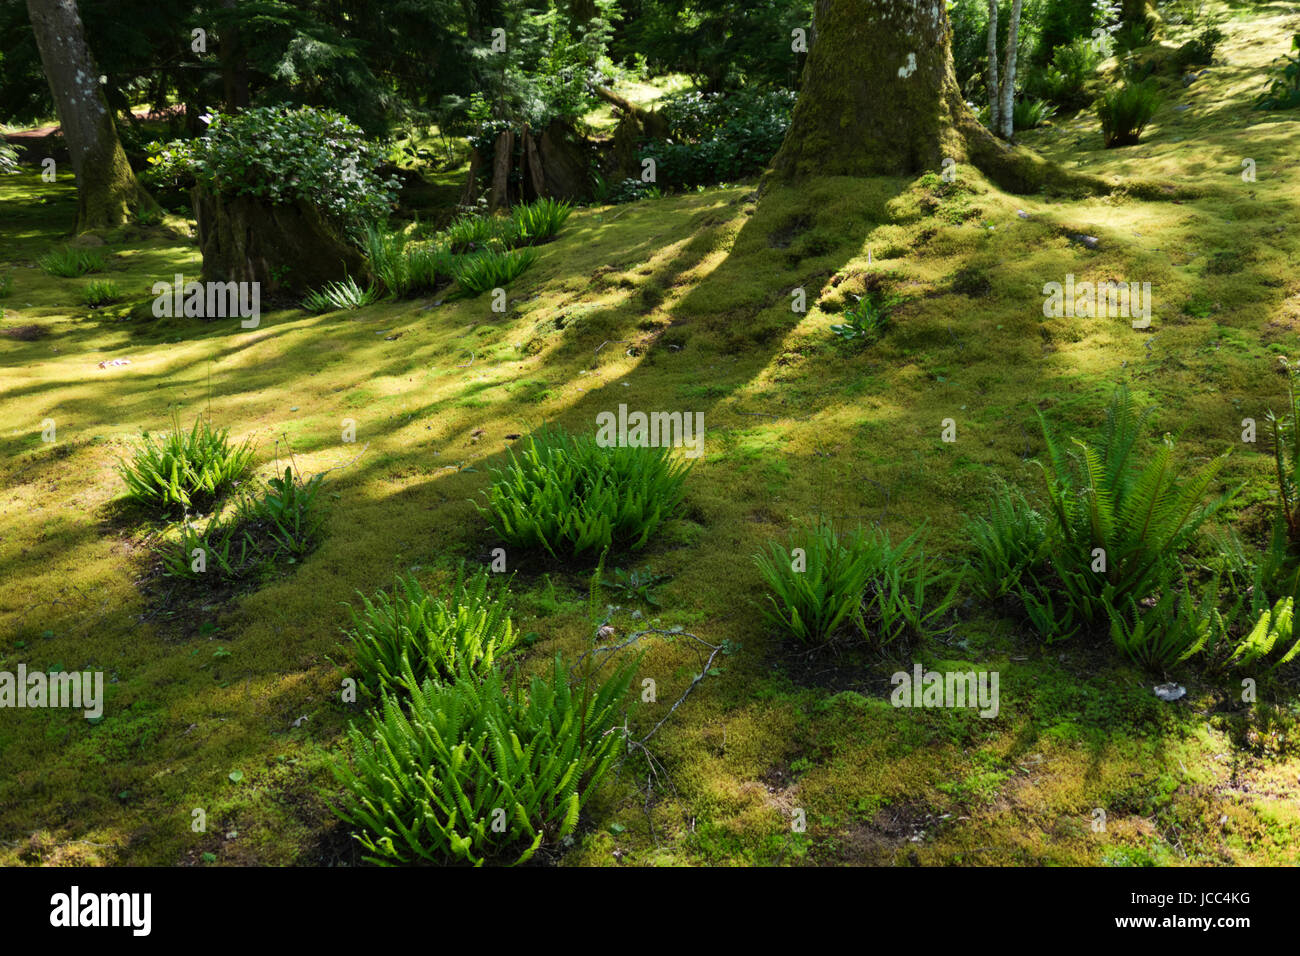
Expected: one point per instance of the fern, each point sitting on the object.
(479, 770)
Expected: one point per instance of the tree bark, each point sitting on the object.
(892, 106)
(107, 190)
(501, 163)
(1008, 113)
(995, 103)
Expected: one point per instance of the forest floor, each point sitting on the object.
(676, 304)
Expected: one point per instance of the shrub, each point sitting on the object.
(1125, 111)
(101, 292)
(1199, 49)
(70, 262)
(339, 296)
(1127, 524)
(717, 138)
(184, 470)
(1283, 92)
(815, 587)
(280, 155)
(571, 497)
(1066, 79)
(486, 270)
(1009, 542)
(480, 771)
(534, 223)
(1030, 114)
(401, 641)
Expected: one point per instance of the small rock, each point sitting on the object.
(605, 633)
(1022, 214)
(1181, 108)
(113, 363)
(299, 721)
(1092, 242)
(1170, 691)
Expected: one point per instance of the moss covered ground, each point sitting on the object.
(682, 303)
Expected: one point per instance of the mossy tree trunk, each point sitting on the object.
(880, 97)
(107, 190)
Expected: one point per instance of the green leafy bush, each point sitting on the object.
(472, 233)
(70, 262)
(101, 292)
(402, 640)
(1170, 631)
(1199, 49)
(1009, 542)
(339, 296)
(572, 498)
(487, 270)
(900, 599)
(1125, 111)
(480, 770)
(280, 155)
(1067, 78)
(718, 138)
(185, 470)
(1283, 92)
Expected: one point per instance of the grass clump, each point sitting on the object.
(101, 292)
(71, 263)
(184, 470)
(534, 223)
(1030, 114)
(490, 269)
(480, 770)
(404, 268)
(339, 296)
(572, 498)
(827, 583)
(401, 641)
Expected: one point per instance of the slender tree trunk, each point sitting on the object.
(107, 190)
(1009, 74)
(892, 106)
(995, 102)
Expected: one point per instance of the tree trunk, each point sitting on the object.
(107, 190)
(995, 102)
(1008, 113)
(287, 247)
(501, 163)
(234, 64)
(892, 106)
